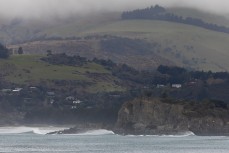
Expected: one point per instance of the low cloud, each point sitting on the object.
(62, 8)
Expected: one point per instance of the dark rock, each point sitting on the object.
(80, 128)
(164, 116)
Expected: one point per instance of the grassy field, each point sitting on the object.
(29, 70)
(184, 45)
(209, 49)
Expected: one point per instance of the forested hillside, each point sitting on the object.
(160, 13)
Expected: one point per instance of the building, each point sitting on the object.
(160, 86)
(176, 85)
(51, 93)
(77, 102)
(17, 89)
(70, 98)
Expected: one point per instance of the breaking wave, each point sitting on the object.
(182, 134)
(96, 132)
(46, 130)
(35, 130)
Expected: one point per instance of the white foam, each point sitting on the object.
(97, 132)
(23, 129)
(181, 134)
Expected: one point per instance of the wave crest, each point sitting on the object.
(96, 132)
(181, 134)
(35, 130)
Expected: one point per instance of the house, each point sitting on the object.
(176, 85)
(74, 107)
(77, 102)
(145, 87)
(50, 93)
(52, 101)
(70, 98)
(32, 88)
(191, 83)
(17, 89)
(160, 86)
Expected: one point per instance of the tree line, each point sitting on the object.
(181, 75)
(159, 13)
(163, 75)
(5, 52)
(64, 59)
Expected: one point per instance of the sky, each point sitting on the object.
(63, 8)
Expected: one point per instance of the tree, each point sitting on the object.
(49, 52)
(4, 52)
(20, 50)
(159, 13)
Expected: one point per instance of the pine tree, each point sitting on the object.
(20, 50)
(4, 52)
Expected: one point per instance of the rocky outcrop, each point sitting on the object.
(164, 116)
(82, 128)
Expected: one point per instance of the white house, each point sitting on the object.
(176, 85)
(50, 93)
(70, 98)
(77, 102)
(17, 90)
(33, 87)
(74, 107)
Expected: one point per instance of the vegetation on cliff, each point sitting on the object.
(4, 52)
(59, 88)
(150, 116)
(159, 13)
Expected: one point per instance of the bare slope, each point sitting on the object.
(179, 44)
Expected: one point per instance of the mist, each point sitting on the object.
(40, 9)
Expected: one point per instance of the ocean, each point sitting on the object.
(32, 140)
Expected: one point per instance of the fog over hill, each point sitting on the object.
(79, 27)
(41, 9)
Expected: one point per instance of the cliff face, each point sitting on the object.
(160, 116)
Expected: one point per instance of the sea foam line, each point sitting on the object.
(183, 134)
(24, 129)
(94, 133)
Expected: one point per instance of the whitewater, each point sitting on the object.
(34, 130)
(35, 139)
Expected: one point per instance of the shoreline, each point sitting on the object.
(72, 130)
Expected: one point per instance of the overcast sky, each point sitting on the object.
(62, 8)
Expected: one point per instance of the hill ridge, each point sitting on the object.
(160, 13)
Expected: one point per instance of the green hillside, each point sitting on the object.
(171, 43)
(31, 70)
(180, 44)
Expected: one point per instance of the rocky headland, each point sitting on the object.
(155, 116)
